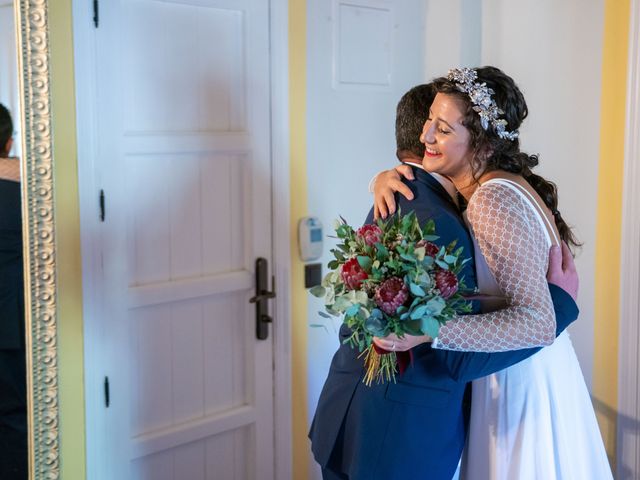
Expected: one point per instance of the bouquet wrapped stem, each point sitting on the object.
(380, 367)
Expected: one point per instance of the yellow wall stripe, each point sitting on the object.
(69, 265)
(298, 172)
(609, 215)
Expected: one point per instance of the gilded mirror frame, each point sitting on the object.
(39, 239)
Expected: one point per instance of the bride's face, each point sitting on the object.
(446, 139)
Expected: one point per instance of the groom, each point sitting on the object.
(416, 428)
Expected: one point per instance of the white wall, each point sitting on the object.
(553, 49)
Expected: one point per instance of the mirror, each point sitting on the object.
(28, 371)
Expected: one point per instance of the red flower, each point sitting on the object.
(353, 274)
(391, 294)
(431, 249)
(371, 234)
(447, 283)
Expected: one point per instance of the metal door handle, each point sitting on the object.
(263, 319)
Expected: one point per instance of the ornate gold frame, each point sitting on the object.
(38, 230)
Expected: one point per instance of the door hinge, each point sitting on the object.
(107, 399)
(102, 205)
(96, 13)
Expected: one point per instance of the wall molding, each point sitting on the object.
(628, 426)
(281, 184)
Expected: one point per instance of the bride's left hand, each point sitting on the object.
(393, 343)
(387, 183)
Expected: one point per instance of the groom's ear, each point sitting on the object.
(8, 146)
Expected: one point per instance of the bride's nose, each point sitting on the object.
(427, 135)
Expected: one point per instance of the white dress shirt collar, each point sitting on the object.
(445, 182)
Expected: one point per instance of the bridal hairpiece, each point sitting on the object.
(480, 95)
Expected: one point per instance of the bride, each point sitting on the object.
(533, 420)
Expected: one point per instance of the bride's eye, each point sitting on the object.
(442, 130)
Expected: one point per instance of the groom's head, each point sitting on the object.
(6, 131)
(412, 112)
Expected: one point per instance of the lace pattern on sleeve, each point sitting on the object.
(516, 249)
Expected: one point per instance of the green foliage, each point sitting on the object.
(318, 291)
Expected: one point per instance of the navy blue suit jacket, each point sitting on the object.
(12, 322)
(416, 427)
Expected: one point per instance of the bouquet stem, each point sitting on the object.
(379, 367)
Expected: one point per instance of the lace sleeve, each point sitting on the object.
(516, 250)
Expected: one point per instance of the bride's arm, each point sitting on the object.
(516, 252)
(384, 186)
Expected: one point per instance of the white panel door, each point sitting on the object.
(184, 161)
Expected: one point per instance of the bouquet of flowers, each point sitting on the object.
(390, 277)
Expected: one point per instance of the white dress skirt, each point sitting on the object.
(534, 420)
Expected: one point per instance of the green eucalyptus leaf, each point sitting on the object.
(341, 304)
(443, 265)
(416, 290)
(330, 296)
(361, 297)
(408, 257)
(353, 310)
(435, 305)
(318, 291)
(381, 251)
(418, 312)
(365, 262)
(430, 326)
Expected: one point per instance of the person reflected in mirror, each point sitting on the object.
(13, 375)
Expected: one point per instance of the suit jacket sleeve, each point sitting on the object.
(467, 366)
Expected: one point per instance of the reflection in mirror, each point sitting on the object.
(13, 390)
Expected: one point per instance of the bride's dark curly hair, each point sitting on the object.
(490, 152)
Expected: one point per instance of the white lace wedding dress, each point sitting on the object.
(534, 420)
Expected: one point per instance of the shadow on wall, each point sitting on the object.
(628, 427)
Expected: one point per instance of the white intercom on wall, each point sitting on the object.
(310, 238)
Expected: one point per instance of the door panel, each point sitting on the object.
(184, 142)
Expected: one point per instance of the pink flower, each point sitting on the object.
(431, 249)
(371, 234)
(447, 283)
(353, 274)
(391, 294)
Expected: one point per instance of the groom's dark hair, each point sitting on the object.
(411, 113)
(6, 129)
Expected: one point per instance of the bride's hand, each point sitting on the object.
(393, 343)
(387, 183)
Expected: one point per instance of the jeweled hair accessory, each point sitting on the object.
(480, 95)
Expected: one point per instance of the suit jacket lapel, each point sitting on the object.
(434, 185)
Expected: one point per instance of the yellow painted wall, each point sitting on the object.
(69, 280)
(298, 172)
(608, 234)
